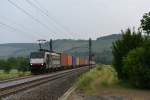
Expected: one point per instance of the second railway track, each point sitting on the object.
(14, 79)
(12, 87)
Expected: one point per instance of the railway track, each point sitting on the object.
(19, 78)
(14, 86)
(14, 79)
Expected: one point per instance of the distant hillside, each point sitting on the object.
(16, 49)
(110, 37)
(101, 47)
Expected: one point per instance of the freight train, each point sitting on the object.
(45, 61)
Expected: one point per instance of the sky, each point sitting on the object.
(24, 21)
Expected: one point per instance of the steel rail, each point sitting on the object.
(15, 88)
(15, 79)
(19, 78)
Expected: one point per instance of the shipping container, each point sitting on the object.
(64, 59)
(74, 61)
(81, 62)
(86, 62)
(78, 61)
(69, 60)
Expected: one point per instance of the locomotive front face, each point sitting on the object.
(37, 59)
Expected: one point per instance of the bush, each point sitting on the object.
(137, 66)
(130, 40)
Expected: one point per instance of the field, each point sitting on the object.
(12, 74)
(101, 82)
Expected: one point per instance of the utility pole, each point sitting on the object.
(90, 51)
(51, 45)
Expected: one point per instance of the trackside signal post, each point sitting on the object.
(90, 51)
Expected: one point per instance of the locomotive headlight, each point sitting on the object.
(42, 64)
(31, 64)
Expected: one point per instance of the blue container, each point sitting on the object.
(74, 61)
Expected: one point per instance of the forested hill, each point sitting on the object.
(101, 46)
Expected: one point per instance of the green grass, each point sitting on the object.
(99, 77)
(12, 74)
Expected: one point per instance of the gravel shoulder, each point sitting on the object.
(112, 93)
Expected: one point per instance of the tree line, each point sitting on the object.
(131, 55)
(19, 63)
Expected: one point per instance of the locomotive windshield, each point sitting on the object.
(37, 55)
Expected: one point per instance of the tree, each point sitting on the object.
(12, 63)
(145, 23)
(4, 66)
(19, 63)
(120, 49)
(23, 63)
(137, 66)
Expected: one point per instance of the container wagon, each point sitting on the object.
(46, 61)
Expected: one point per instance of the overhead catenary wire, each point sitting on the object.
(29, 14)
(23, 29)
(47, 14)
(11, 27)
(25, 12)
(36, 7)
(8, 26)
(44, 11)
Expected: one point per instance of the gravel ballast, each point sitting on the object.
(48, 91)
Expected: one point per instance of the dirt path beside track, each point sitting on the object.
(112, 93)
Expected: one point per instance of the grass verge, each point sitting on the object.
(13, 74)
(99, 77)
